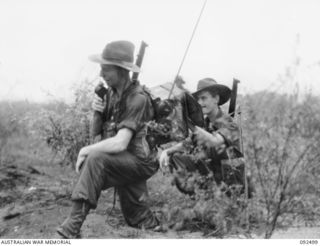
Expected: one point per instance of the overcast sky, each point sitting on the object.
(44, 45)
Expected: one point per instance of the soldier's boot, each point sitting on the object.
(70, 228)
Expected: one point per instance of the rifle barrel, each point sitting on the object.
(139, 59)
(233, 97)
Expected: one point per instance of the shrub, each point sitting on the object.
(281, 139)
(66, 127)
(9, 125)
(217, 211)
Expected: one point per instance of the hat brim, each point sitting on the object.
(126, 65)
(223, 91)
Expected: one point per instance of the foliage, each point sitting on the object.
(66, 128)
(7, 128)
(217, 210)
(9, 125)
(281, 141)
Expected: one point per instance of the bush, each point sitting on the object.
(281, 139)
(66, 128)
(9, 125)
(217, 211)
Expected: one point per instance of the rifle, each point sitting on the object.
(139, 59)
(232, 109)
(233, 98)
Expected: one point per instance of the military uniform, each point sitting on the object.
(227, 166)
(127, 170)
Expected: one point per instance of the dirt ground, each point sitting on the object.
(34, 200)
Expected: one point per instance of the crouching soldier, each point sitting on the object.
(122, 160)
(220, 138)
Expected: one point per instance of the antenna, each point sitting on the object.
(186, 51)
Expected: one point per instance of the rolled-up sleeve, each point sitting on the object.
(134, 115)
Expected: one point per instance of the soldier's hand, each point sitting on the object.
(221, 148)
(164, 161)
(201, 136)
(98, 104)
(83, 153)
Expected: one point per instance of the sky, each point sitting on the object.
(44, 44)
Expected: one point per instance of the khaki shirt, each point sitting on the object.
(227, 128)
(131, 111)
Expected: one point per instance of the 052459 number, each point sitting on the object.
(309, 242)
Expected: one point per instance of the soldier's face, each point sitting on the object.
(208, 103)
(110, 74)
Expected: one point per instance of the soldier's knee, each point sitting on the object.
(95, 158)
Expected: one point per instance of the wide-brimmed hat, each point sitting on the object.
(209, 84)
(118, 53)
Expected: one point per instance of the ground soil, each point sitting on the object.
(35, 199)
